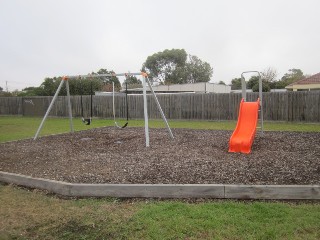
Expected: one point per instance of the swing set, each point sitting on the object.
(87, 121)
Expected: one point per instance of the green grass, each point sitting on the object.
(33, 215)
(226, 220)
(13, 128)
(30, 214)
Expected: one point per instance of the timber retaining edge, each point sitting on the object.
(303, 192)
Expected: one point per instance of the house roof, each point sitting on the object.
(314, 79)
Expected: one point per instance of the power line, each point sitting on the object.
(13, 82)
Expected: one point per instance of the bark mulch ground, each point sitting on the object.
(109, 155)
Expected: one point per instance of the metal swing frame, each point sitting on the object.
(145, 81)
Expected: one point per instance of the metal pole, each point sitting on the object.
(243, 87)
(91, 102)
(113, 108)
(69, 106)
(261, 106)
(102, 75)
(49, 109)
(160, 109)
(127, 106)
(145, 108)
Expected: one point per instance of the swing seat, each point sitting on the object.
(86, 121)
(118, 126)
(113, 108)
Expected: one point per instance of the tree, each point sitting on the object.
(132, 82)
(265, 87)
(1, 89)
(175, 66)
(83, 86)
(31, 91)
(293, 75)
(269, 75)
(253, 84)
(5, 94)
(76, 87)
(197, 70)
(107, 81)
(236, 83)
(49, 86)
(15, 93)
(222, 83)
(278, 84)
(112, 79)
(252, 81)
(166, 66)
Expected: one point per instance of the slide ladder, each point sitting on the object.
(244, 133)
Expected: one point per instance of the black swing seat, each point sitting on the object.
(118, 126)
(86, 121)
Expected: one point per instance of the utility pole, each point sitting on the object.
(7, 86)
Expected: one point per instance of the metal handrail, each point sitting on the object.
(244, 93)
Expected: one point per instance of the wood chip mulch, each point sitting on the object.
(109, 155)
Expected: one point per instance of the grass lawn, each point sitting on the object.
(31, 214)
(13, 128)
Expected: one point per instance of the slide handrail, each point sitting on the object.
(244, 93)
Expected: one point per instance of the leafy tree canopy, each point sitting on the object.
(265, 87)
(252, 81)
(166, 66)
(31, 91)
(175, 66)
(197, 70)
(253, 84)
(293, 75)
(132, 82)
(236, 84)
(108, 80)
(50, 85)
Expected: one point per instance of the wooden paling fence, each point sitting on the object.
(281, 106)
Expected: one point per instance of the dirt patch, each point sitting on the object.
(109, 155)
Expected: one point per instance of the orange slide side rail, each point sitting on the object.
(244, 133)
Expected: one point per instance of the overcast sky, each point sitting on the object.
(47, 38)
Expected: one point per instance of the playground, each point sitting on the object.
(112, 155)
(123, 157)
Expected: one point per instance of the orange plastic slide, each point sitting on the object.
(243, 136)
